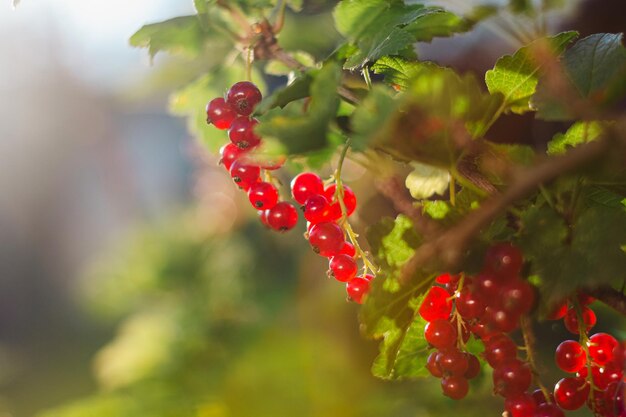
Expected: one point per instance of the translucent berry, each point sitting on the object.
(601, 347)
(348, 249)
(499, 348)
(504, 260)
(326, 239)
(220, 113)
(443, 279)
(571, 393)
(511, 378)
(470, 304)
(486, 285)
(520, 405)
(282, 217)
(263, 195)
(436, 304)
(452, 362)
(230, 153)
(518, 297)
(243, 97)
(500, 319)
(455, 387)
(349, 200)
(306, 185)
(473, 366)
(343, 267)
(241, 133)
(433, 366)
(317, 209)
(570, 356)
(357, 288)
(244, 175)
(571, 319)
(440, 333)
(558, 311)
(263, 217)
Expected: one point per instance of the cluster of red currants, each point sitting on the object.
(233, 114)
(322, 206)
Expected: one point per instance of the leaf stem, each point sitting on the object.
(452, 191)
(366, 76)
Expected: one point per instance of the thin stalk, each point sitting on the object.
(529, 344)
(452, 191)
(366, 76)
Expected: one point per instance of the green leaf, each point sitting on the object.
(301, 128)
(276, 67)
(399, 72)
(425, 181)
(578, 133)
(298, 89)
(601, 196)
(372, 116)
(516, 76)
(178, 35)
(437, 209)
(440, 23)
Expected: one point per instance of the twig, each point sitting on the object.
(611, 297)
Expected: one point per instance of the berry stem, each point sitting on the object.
(584, 342)
(452, 191)
(529, 344)
(366, 76)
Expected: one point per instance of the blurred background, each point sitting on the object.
(133, 282)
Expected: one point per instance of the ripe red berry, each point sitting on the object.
(220, 113)
(452, 362)
(601, 346)
(499, 348)
(504, 260)
(481, 330)
(486, 285)
(540, 397)
(282, 217)
(244, 175)
(263, 217)
(470, 305)
(443, 279)
(520, 405)
(570, 356)
(603, 376)
(473, 366)
(571, 319)
(511, 377)
(436, 304)
(558, 311)
(357, 288)
(518, 297)
(500, 319)
(317, 209)
(349, 200)
(433, 366)
(343, 267)
(306, 185)
(348, 249)
(548, 410)
(585, 299)
(230, 153)
(241, 133)
(455, 387)
(263, 195)
(326, 239)
(243, 97)
(571, 393)
(440, 333)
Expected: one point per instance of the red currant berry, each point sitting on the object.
(357, 288)
(326, 239)
(486, 285)
(436, 304)
(511, 377)
(342, 267)
(571, 319)
(244, 175)
(282, 217)
(585, 299)
(433, 366)
(602, 377)
(263, 217)
(518, 297)
(473, 366)
(570, 356)
(219, 113)
(443, 279)
(520, 405)
(241, 133)
(263, 195)
(469, 304)
(571, 393)
(540, 397)
(455, 387)
(317, 209)
(548, 410)
(504, 260)
(499, 348)
(452, 362)
(368, 277)
(243, 97)
(306, 185)
(229, 154)
(440, 333)
(558, 311)
(349, 200)
(500, 319)
(601, 347)
(481, 330)
(348, 249)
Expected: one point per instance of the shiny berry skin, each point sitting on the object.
(504, 260)
(520, 405)
(518, 297)
(306, 185)
(348, 249)
(244, 175)
(470, 304)
(452, 362)
(570, 356)
(601, 347)
(433, 366)
(440, 333)
(455, 387)
(548, 410)
(602, 377)
(349, 200)
(230, 153)
(263, 195)
(243, 97)
(571, 319)
(326, 239)
(357, 288)
(343, 267)
(558, 311)
(220, 113)
(443, 279)
(486, 285)
(282, 217)
(540, 397)
(263, 217)
(473, 366)
(317, 209)
(511, 377)
(500, 319)
(481, 330)
(585, 299)
(571, 393)
(241, 133)
(499, 348)
(436, 304)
